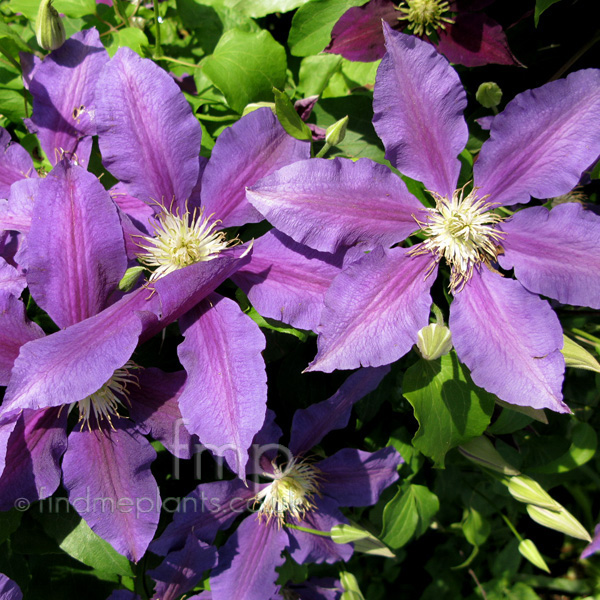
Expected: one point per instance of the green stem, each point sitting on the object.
(157, 48)
(180, 62)
(511, 527)
(217, 118)
(307, 530)
(439, 317)
(586, 335)
(576, 56)
(11, 60)
(323, 150)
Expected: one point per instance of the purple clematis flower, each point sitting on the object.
(539, 146)
(459, 30)
(303, 493)
(9, 590)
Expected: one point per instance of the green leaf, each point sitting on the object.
(476, 528)
(408, 514)
(75, 8)
(540, 7)
(315, 73)
(450, 408)
(289, 118)
(313, 22)
(75, 537)
(130, 37)
(9, 522)
(12, 95)
(262, 8)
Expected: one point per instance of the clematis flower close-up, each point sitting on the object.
(539, 146)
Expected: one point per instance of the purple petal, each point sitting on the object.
(209, 508)
(76, 223)
(358, 35)
(355, 478)
(107, 474)
(9, 590)
(418, 103)
(182, 570)
(555, 253)
(310, 425)
(15, 163)
(247, 562)
(474, 40)
(148, 135)
(137, 210)
(154, 406)
(15, 330)
(287, 281)
(326, 204)
(325, 588)
(252, 148)
(542, 141)
(594, 546)
(310, 548)
(15, 215)
(265, 447)
(224, 400)
(33, 457)
(63, 97)
(11, 281)
(510, 339)
(373, 311)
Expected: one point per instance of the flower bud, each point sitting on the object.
(482, 451)
(336, 133)
(364, 541)
(489, 94)
(130, 278)
(578, 357)
(529, 550)
(525, 489)
(562, 521)
(49, 28)
(434, 341)
(350, 585)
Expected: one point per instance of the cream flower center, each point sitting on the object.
(425, 16)
(463, 231)
(180, 241)
(291, 493)
(104, 403)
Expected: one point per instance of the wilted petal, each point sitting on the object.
(287, 281)
(9, 590)
(510, 339)
(107, 474)
(224, 400)
(63, 96)
(33, 459)
(154, 406)
(542, 141)
(310, 425)
(555, 253)
(250, 149)
(76, 223)
(247, 561)
(355, 478)
(148, 135)
(182, 570)
(373, 311)
(326, 204)
(15, 163)
(418, 103)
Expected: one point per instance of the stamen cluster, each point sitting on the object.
(463, 231)
(291, 493)
(425, 16)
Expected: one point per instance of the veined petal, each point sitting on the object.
(356, 478)
(225, 397)
(15, 214)
(247, 561)
(11, 281)
(107, 474)
(9, 590)
(33, 457)
(310, 425)
(374, 310)
(76, 223)
(148, 135)
(287, 281)
(15, 163)
(138, 211)
(555, 253)
(542, 141)
(326, 204)
(418, 103)
(510, 339)
(63, 97)
(250, 149)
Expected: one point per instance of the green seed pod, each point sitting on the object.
(49, 28)
(489, 94)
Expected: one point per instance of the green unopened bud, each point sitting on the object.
(578, 357)
(482, 451)
(434, 341)
(336, 133)
(130, 278)
(525, 489)
(529, 550)
(49, 28)
(256, 105)
(489, 94)
(562, 521)
(350, 585)
(364, 541)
